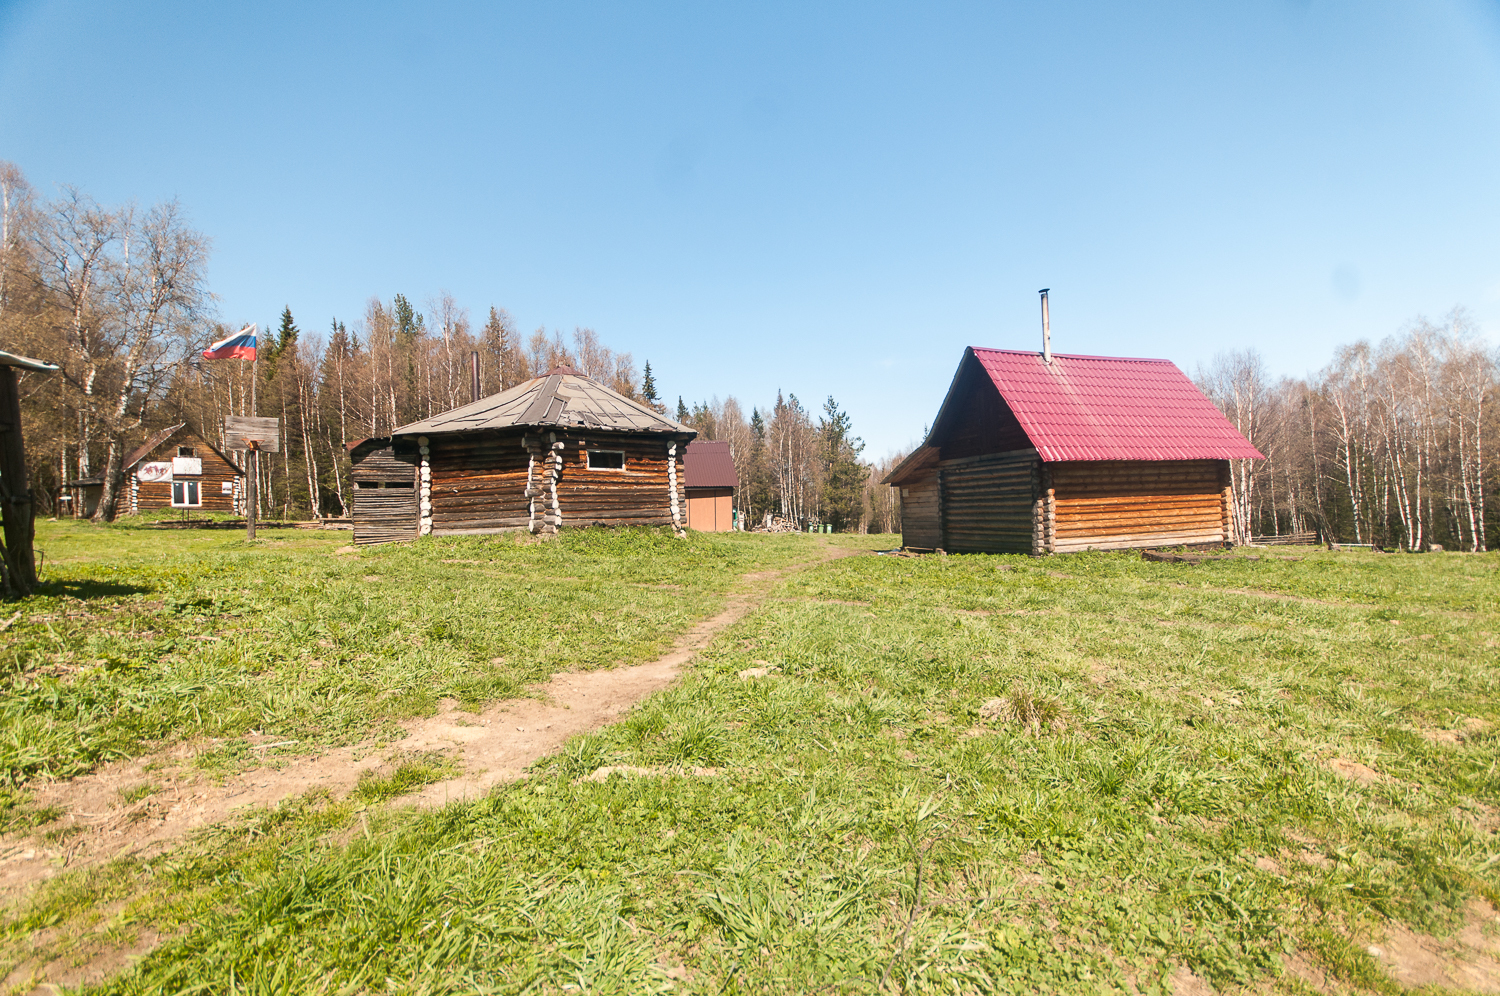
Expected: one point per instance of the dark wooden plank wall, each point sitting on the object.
(987, 502)
(216, 470)
(479, 483)
(921, 521)
(981, 423)
(382, 464)
(1116, 505)
(635, 496)
(384, 514)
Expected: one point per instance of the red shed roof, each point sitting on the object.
(709, 464)
(1107, 408)
(1111, 408)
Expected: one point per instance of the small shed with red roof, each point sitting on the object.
(1084, 452)
(711, 480)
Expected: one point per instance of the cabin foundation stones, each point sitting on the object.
(1082, 453)
(556, 450)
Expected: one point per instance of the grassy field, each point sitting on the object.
(957, 774)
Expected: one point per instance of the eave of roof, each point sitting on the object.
(26, 362)
(561, 400)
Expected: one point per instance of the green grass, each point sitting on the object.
(143, 636)
(1154, 789)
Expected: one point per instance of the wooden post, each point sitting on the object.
(251, 460)
(251, 448)
(16, 509)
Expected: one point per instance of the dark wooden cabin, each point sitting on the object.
(17, 508)
(711, 480)
(385, 489)
(558, 450)
(178, 468)
(1083, 453)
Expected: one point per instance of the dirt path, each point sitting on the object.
(495, 746)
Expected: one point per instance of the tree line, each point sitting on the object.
(1390, 444)
(119, 298)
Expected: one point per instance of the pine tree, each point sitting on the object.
(499, 341)
(648, 391)
(282, 340)
(844, 475)
(682, 411)
(409, 330)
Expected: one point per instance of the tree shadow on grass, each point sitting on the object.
(83, 589)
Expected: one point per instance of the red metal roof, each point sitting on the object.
(1111, 408)
(709, 464)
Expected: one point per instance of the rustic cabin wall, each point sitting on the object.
(1117, 505)
(385, 495)
(479, 483)
(217, 472)
(638, 494)
(987, 503)
(921, 522)
(384, 514)
(980, 421)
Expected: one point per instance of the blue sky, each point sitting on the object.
(825, 198)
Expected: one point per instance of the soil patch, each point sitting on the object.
(1354, 771)
(494, 746)
(1469, 960)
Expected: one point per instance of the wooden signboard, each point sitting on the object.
(240, 431)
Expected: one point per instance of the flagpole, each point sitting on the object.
(251, 458)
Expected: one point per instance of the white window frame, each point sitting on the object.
(193, 488)
(619, 469)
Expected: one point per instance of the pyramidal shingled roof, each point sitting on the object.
(563, 399)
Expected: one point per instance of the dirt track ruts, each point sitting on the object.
(493, 747)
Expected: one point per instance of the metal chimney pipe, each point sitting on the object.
(474, 374)
(1046, 328)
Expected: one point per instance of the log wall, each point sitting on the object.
(492, 482)
(217, 472)
(384, 513)
(921, 519)
(1119, 505)
(638, 495)
(479, 483)
(987, 502)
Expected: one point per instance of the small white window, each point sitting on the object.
(185, 494)
(606, 459)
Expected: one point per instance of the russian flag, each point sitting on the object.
(240, 346)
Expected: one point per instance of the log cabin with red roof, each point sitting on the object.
(1051, 453)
